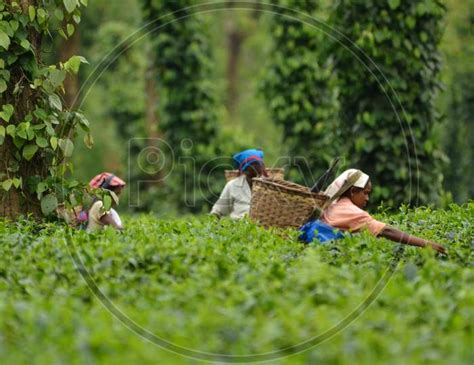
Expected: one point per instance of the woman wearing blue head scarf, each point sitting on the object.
(234, 200)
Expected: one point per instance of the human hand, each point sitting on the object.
(437, 247)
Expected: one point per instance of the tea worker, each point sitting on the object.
(351, 190)
(99, 217)
(234, 200)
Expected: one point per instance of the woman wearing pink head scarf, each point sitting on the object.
(352, 189)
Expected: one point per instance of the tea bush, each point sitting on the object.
(234, 288)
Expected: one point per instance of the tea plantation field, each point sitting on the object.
(232, 291)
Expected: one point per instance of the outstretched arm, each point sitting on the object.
(396, 235)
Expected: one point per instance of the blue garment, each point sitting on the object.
(245, 158)
(321, 231)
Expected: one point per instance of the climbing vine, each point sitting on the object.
(36, 130)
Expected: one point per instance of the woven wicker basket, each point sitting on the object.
(279, 203)
(273, 173)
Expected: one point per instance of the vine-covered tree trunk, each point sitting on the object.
(19, 94)
(189, 123)
(35, 129)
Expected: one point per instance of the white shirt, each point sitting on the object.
(234, 200)
(96, 212)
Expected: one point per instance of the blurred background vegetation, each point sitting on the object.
(235, 78)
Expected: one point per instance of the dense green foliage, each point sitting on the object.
(457, 103)
(232, 287)
(36, 131)
(116, 104)
(301, 90)
(388, 86)
(183, 62)
(297, 116)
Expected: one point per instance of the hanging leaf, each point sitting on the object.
(70, 29)
(394, 4)
(25, 43)
(4, 40)
(54, 142)
(31, 12)
(18, 142)
(7, 184)
(29, 151)
(17, 182)
(70, 5)
(11, 130)
(48, 204)
(88, 140)
(2, 134)
(7, 112)
(3, 85)
(72, 65)
(57, 77)
(55, 102)
(42, 15)
(66, 146)
(58, 13)
(41, 142)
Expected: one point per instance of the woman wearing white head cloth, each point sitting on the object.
(351, 191)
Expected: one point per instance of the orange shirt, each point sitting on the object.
(345, 215)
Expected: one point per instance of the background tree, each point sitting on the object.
(301, 91)
(36, 132)
(402, 38)
(457, 102)
(189, 122)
